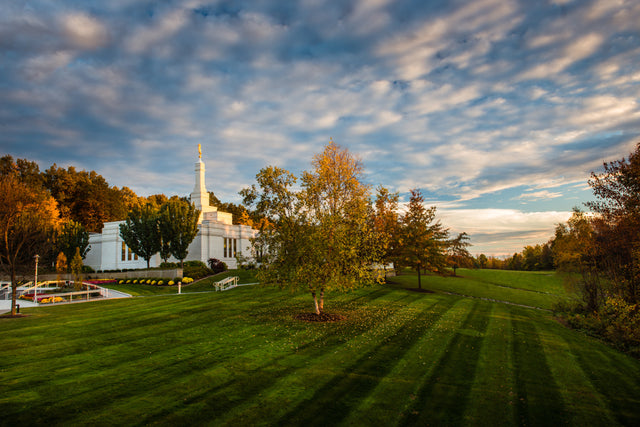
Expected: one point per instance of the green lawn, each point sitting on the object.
(204, 285)
(240, 358)
(537, 289)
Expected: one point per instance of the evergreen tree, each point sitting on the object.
(422, 243)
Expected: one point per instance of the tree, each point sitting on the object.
(575, 251)
(140, 232)
(29, 218)
(482, 260)
(178, 224)
(61, 266)
(86, 197)
(76, 270)
(617, 226)
(341, 237)
(422, 241)
(275, 243)
(320, 237)
(458, 254)
(72, 236)
(386, 224)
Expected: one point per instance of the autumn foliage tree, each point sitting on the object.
(29, 219)
(320, 237)
(576, 252)
(386, 224)
(617, 223)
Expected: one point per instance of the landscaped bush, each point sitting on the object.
(171, 283)
(217, 266)
(196, 270)
(169, 265)
(187, 280)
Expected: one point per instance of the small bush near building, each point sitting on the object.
(217, 266)
(196, 269)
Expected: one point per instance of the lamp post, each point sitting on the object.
(35, 283)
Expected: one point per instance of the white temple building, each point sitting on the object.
(217, 237)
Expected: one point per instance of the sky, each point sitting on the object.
(497, 110)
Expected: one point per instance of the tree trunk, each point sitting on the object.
(315, 302)
(419, 279)
(321, 299)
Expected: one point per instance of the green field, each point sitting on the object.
(534, 289)
(240, 358)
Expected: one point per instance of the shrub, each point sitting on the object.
(216, 265)
(187, 280)
(169, 265)
(617, 322)
(87, 269)
(196, 269)
(120, 282)
(153, 282)
(171, 283)
(135, 281)
(160, 282)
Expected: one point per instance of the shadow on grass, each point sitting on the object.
(361, 377)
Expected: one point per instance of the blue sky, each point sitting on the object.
(497, 110)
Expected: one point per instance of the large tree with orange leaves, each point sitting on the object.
(29, 218)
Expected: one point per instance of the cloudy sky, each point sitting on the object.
(498, 110)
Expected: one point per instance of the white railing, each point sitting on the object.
(28, 287)
(228, 283)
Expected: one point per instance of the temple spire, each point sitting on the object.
(200, 195)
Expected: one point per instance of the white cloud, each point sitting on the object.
(539, 195)
(84, 31)
(582, 48)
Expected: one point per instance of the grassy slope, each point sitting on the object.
(537, 289)
(203, 285)
(238, 357)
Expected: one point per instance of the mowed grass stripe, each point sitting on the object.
(492, 397)
(396, 392)
(584, 404)
(443, 396)
(614, 375)
(539, 401)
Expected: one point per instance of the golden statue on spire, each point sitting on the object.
(199, 151)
